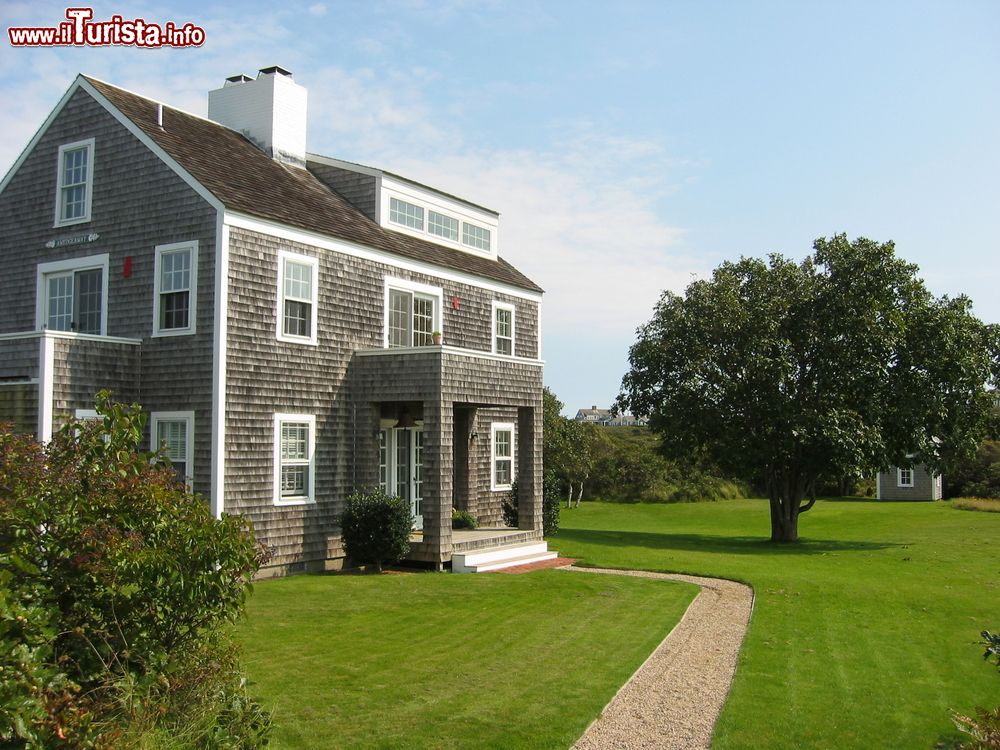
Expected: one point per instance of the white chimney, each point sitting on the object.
(270, 110)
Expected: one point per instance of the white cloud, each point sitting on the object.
(317, 10)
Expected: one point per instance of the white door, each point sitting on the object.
(401, 466)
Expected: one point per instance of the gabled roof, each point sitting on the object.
(247, 180)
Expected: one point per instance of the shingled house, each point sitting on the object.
(276, 313)
(915, 482)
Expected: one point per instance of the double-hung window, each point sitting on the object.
(503, 328)
(72, 295)
(412, 313)
(502, 442)
(74, 183)
(904, 478)
(294, 459)
(175, 292)
(298, 286)
(173, 433)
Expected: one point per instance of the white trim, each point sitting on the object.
(899, 476)
(878, 485)
(471, 353)
(89, 189)
(292, 234)
(176, 416)
(192, 326)
(69, 335)
(305, 260)
(85, 263)
(496, 427)
(87, 414)
(538, 317)
(219, 364)
(414, 287)
(497, 305)
(310, 419)
(46, 383)
(28, 381)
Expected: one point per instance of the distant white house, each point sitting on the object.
(606, 418)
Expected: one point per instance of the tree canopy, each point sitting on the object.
(780, 372)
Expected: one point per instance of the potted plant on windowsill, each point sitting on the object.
(436, 338)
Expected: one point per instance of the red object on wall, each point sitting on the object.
(454, 302)
(127, 267)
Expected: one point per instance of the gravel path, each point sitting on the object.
(673, 700)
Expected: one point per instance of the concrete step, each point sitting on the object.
(496, 558)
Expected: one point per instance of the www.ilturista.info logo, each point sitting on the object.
(81, 31)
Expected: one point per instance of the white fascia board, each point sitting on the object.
(219, 365)
(149, 143)
(292, 234)
(350, 166)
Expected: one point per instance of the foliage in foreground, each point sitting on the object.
(551, 493)
(984, 726)
(843, 364)
(117, 587)
(376, 528)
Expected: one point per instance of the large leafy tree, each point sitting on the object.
(780, 372)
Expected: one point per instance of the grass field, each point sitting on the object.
(863, 634)
(447, 661)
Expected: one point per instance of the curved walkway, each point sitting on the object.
(673, 700)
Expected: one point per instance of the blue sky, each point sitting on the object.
(629, 146)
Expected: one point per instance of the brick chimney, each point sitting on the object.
(270, 110)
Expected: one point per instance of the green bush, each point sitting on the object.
(984, 726)
(462, 519)
(112, 573)
(551, 496)
(376, 528)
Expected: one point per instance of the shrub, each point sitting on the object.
(984, 726)
(551, 494)
(111, 572)
(462, 519)
(376, 528)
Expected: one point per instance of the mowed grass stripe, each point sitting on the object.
(445, 661)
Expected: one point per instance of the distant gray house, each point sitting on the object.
(605, 417)
(275, 312)
(902, 483)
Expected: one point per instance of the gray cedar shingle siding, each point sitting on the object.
(925, 485)
(138, 203)
(356, 187)
(19, 406)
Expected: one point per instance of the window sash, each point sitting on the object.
(297, 307)
(406, 214)
(504, 331)
(294, 457)
(74, 179)
(411, 319)
(475, 236)
(503, 457)
(74, 300)
(175, 290)
(171, 436)
(442, 225)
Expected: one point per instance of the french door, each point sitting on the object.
(400, 467)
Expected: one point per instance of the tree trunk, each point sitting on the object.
(579, 494)
(785, 515)
(569, 496)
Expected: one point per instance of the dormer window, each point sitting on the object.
(442, 226)
(406, 214)
(74, 182)
(474, 236)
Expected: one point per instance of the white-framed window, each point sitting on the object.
(407, 214)
(502, 448)
(74, 182)
(298, 287)
(72, 295)
(175, 288)
(503, 328)
(294, 459)
(442, 225)
(173, 432)
(475, 236)
(412, 313)
(904, 477)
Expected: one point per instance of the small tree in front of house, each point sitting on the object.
(376, 528)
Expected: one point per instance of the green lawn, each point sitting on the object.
(863, 634)
(448, 661)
